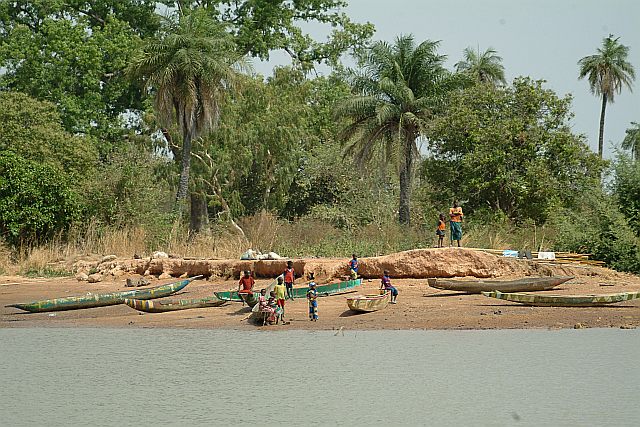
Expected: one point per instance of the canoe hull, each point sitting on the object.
(369, 303)
(563, 300)
(150, 306)
(301, 292)
(250, 299)
(527, 284)
(103, 300)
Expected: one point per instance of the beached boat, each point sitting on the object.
(563, 300)
(251, 299)
(368, 303)
(475, 286)
(100, 300)
(150, 306)
(301, 292)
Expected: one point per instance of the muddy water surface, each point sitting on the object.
(217, 377)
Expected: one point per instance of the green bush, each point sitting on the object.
(599, 228)
(36, 200)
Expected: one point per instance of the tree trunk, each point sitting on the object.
(183, 184)
(601, 138)
(406, 182)
(199, 219)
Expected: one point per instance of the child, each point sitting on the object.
(440, 230)
(280, 291)
(245, 285)
(265, 307)
(289, 277)
(385, 284)
(312, 297)
(353, 267)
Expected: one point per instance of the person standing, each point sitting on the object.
(312, 297)
(353, 267)
(281, 293)
(385, 284)
(440, 230)
(456, 215)
(289, 277)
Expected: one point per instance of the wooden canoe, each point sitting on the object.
(526, 284)
(150, 306)
(100, 300)
(368, 303)
(251, 299)
(301, 292)
(563, 300)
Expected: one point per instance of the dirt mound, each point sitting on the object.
(418, 264)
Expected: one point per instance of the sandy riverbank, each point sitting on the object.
(419, 307)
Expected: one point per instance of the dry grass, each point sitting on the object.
(264, 232)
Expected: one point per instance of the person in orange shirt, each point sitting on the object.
(289, 277)
(245, 285)
(440, 230)
(456, 215)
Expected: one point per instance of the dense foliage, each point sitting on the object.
(509, 149)
(105, 102)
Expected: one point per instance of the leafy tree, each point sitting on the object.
(631, 140)
(188, 67)
(33, 130)
(509, 149)
(626, 188)
(395, 95)
(36, 200)
(73, 54)
(485, 67)
(263, 142)
(607, 72)
(263, 26)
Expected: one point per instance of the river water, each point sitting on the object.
(116, 377)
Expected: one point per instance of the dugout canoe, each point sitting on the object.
(150, 306)
(562, 300)
(526, 284)
(369, 303)
(301, 292)
(101, 300)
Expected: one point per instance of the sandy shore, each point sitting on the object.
(419, 307)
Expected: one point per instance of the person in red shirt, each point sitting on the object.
(289, 277)
(245, 285)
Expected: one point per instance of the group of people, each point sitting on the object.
(455, 225)
(273, 305)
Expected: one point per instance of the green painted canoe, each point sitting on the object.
(323, 290)
(100, 300)
(150, 306)
(475, 286)
(563, 300)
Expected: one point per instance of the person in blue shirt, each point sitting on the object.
(353, 267)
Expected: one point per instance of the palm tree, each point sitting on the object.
(395, 94)
(485, 67)
(188, 67)
(631, 140)
(607, 71)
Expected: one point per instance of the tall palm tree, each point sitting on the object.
(188, 67)
(395, 94)
(485, 67)
(631, 140)
(607, 71)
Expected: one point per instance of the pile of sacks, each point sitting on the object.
(251, 255)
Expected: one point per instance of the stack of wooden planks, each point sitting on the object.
(561, 257)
